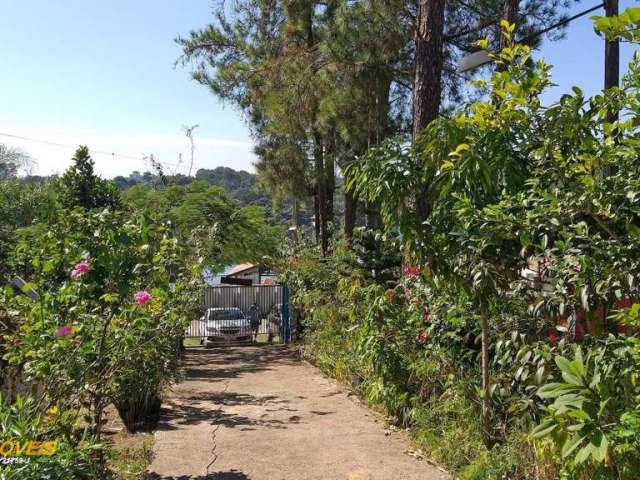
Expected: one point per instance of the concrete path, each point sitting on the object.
(257, 413)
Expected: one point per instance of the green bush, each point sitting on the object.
(412, 351)
(114, 295)
(595, 415)
(41, 444)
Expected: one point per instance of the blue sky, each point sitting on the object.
(102, 74)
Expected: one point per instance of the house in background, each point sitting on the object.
(242, 274)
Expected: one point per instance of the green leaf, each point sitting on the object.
(600, 446)
(552, 390)
(571, 444)
(583, 454)
(562, 363)
(544, 429)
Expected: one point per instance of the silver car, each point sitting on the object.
(226, 324)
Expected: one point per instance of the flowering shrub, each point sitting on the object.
(412, 272)
(96, 336)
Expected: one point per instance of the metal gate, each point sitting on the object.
(232, 314)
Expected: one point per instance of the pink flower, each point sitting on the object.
(79, 270)
(82, 267)
(64, 330)
(142, 297)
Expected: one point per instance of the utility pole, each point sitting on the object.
(611, 72)
(611, 52)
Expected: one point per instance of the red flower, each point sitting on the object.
(412, 271)
(423, 337)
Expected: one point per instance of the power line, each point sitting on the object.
(561, 23)
(93, 151)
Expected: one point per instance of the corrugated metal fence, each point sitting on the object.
(258, 312)
(267, 297)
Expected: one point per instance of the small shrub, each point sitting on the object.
(595, 415)
(64, 453)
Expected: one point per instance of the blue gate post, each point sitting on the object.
(286, 325)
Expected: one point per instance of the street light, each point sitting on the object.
(481, 57)
(474, 60)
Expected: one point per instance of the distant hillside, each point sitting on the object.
(241, 185)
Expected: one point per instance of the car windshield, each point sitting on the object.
(231, 314)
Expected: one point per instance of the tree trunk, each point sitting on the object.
(486, 379)
(321, 190)
(427, 81)
(330, 176)
(295, 214)
(295, 217)
(316, 213)
(350, 209)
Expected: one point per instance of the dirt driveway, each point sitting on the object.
(257, 413)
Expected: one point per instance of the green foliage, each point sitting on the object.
(513, 187)
(214, 225)
(241, 185)
(378, 255)
(24, 421)
(594, 418)
(623, 26)
(23, 204)
(411, 348)
(320, 84)
(80, 187)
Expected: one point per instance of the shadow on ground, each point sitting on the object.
(228, 475)
(234, 362)
(191, 407)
